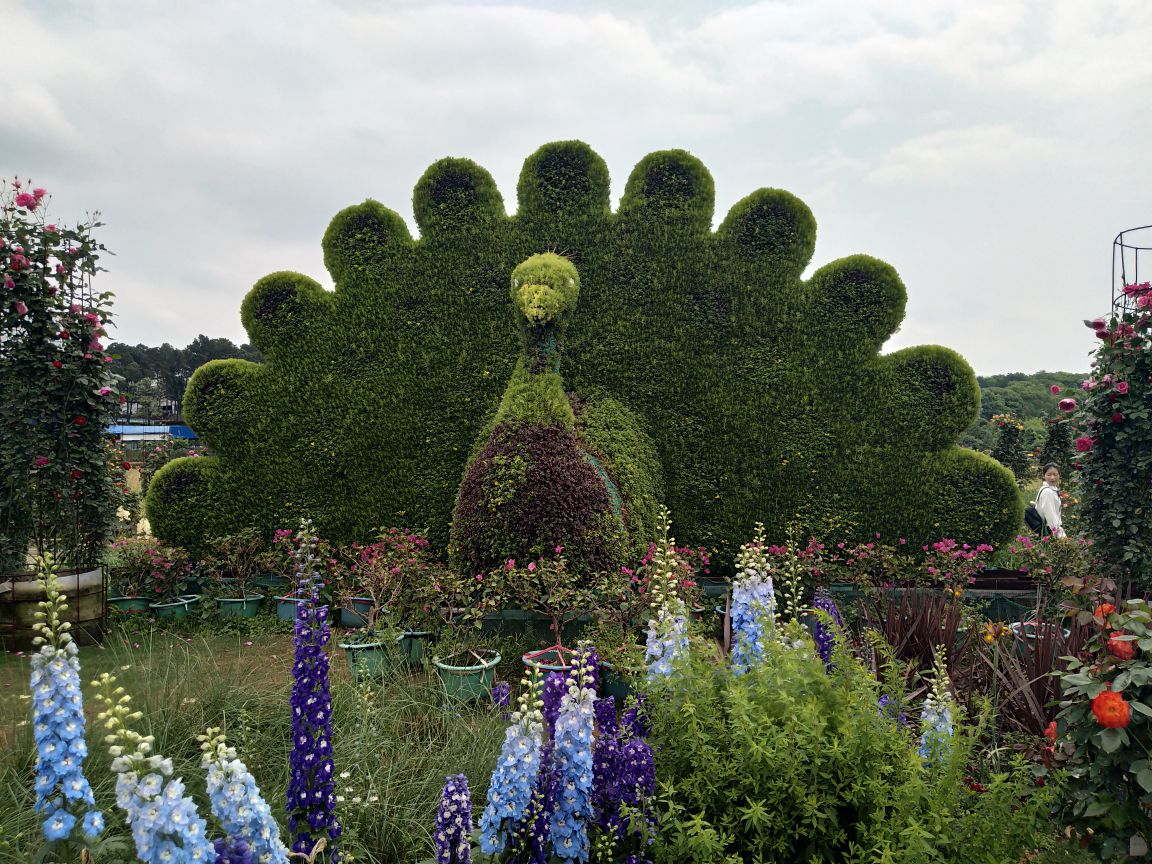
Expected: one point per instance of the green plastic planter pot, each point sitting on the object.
(468, 675)
(239, 607)
(413, 644)
(367, 659)
(174, 609)
(612, 683)
(286, 607)
(129, 604)
(354, 612)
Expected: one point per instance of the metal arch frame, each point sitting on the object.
(1121, 302)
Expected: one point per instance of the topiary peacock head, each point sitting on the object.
(545, 288)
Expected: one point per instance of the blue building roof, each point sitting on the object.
(176, 430)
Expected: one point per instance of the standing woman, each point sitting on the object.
(1048, 503)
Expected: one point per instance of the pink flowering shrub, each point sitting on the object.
(56, 492)
(1116, 450)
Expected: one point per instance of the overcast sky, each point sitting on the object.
(989, 150)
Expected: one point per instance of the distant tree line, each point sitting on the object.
(155, 378)
(1028, 398)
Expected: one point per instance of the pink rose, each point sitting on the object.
(41, 461)
(532, 567)
(21, 308)
(559, 549)
(51, 227)
(1083, 443)
(511, 565)
(1067, 404)
(1054, 389)
(24, 199)
(1144, 301)
(104, 391)
(1122, 388)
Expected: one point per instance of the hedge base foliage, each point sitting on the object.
(764, 393)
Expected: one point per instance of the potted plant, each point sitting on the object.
(56, 495)
(128, 567)
(233, 562)
(546, 588)
(169, 569)
(467, 671)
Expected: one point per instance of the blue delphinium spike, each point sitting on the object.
(238, 805)
(63, 795)
(753, 607)
(936, 727)
(572, 765)
(165, 824)
(823, 634)
(514, 778)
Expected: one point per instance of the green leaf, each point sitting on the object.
(1112, 740)
(1144, 778)
(1141, 707)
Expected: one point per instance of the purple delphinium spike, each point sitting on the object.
(501, 694)
(634, 721)
(606, 768)
(823, 635)
(890, 708)
(311, 786)
(454, 823)
(555, 687)
(232, 852)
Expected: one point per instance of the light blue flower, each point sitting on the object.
(572, 767)
(514, 778)
(93, 824)
(753, 615)
(59, 824)
(237, 803)
(667, 637)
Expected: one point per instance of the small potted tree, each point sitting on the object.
(169, 570)
(466, 670)
(546, 588)
(233, 562)
(128, 569)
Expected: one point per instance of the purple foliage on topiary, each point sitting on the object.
(532, 488)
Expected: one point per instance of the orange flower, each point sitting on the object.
(1111, 711)
(1050, 732)
(1103, 611)
(1123, 649)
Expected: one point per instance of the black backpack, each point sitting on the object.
(1032, 517)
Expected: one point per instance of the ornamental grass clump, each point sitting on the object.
(753, 604)
(63, 794)
(165, 824)
(312, 821)
(668, 628)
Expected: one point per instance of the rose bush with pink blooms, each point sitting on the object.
(1117, 449)
(56, 491)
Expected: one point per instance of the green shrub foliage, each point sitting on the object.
(1058, 445)
(795, 762)
(763, 393)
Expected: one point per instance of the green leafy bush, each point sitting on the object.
(1105, 733)
(372, 397)
(793, 762)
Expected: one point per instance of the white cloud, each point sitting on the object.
(954, 155)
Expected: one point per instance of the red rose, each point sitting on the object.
(1067, 404)
(77, 473)
(125, 465)
(1083, 443)
(1117, 418)
(1110, 710)
(80, 421)
(57, 364)
(1054, 389)
(64, 334)
(1123, 649)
